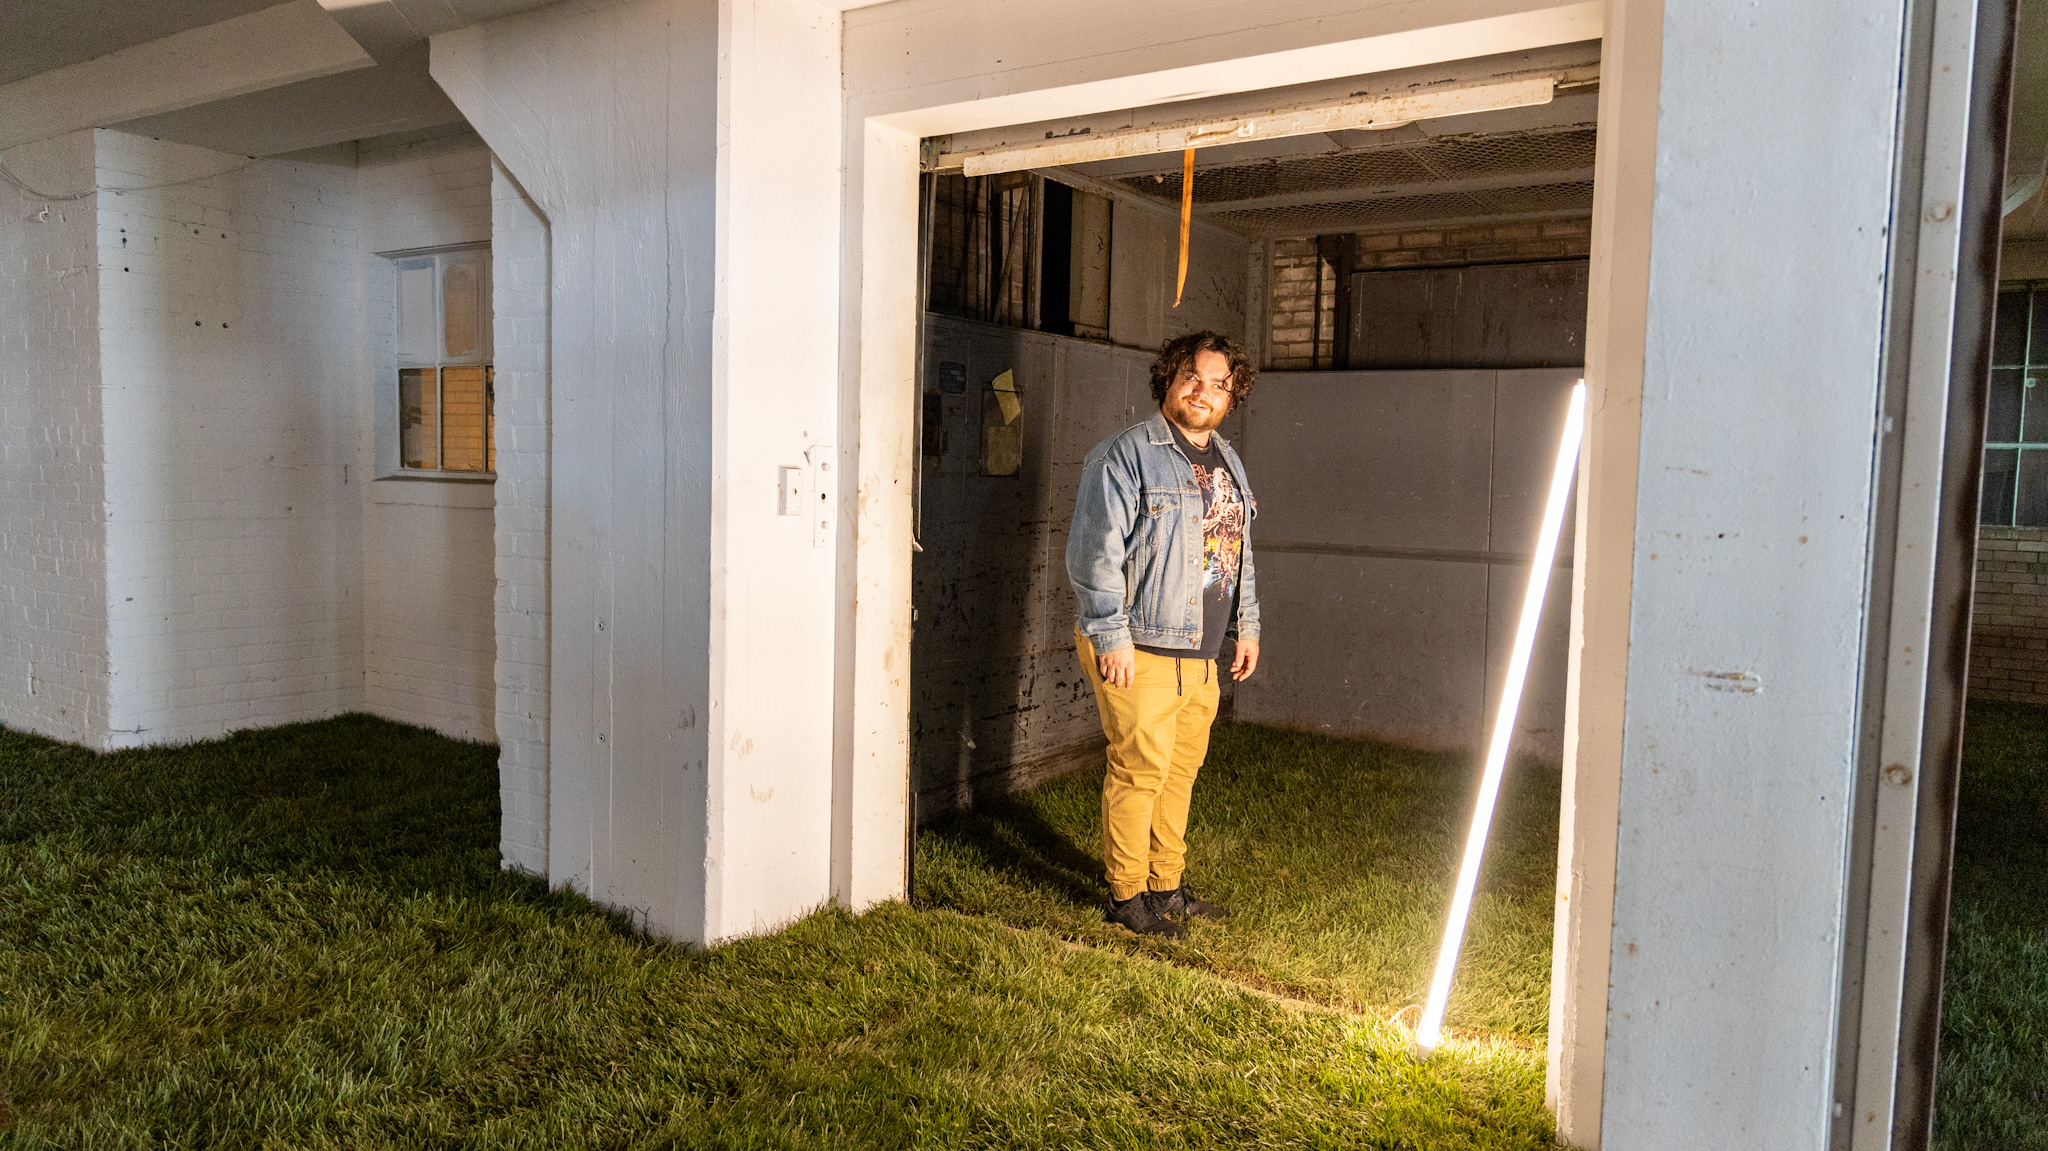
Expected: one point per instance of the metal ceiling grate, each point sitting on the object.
(1547, 173)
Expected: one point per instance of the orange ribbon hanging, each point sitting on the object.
(1187, 215)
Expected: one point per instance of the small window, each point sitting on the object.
(444, 363)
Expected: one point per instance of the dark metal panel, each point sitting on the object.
(1482, 316)
(998, 698)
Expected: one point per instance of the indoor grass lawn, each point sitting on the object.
(1335, 856)
(301, 938)
(1992, 1087)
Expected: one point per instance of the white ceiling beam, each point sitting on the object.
(1385, 111)
(279, 45)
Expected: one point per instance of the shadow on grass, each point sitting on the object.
(1336, 855)
(1013, 837)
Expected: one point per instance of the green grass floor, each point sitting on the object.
(1335, 856)
(301, 938)
(1992, 1086)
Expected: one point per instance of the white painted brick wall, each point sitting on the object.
(519, 255)
(53, 603)
(429, 645)
(230, 362)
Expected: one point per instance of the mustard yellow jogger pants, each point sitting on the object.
(1158, 731)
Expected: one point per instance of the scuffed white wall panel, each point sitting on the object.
(1767, 273)
(53, 598)
(519, 286)
(1391, 506)
(1143, 265)
(230, 368)
(774, 403)
(429, 641)
(606, 117)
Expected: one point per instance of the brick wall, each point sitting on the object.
(1297, 339)
(427, 558)
(1304, 335)
(519, 257)
(53, 600)
(2009, 624)
(1477, 244)
(229, 365)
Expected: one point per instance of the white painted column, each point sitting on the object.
(1596, 682)
(775, 371)
(690, 176)
(1765, 305)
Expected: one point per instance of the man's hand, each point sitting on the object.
(1246, 661)
(1118, 667)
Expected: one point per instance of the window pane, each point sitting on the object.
(419, 422)
(464, 413)
(2032, 502)
(460, 295)
(2034, 405)
(2037, 348)
(2003, 426)
(417, 322)
(2009, 329)
(2000, 464)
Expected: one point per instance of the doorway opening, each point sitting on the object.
(1415, 296)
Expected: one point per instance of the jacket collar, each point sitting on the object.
(1159, 432)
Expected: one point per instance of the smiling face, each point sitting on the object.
(1200, 398)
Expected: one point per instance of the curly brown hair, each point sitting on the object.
(1178, 355)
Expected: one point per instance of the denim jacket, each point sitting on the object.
(1134, 552)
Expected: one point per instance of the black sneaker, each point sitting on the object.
(1182, 900)
(1136, 913)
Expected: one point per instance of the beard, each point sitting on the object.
(1192, 419)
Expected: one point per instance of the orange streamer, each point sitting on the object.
(1187, 215)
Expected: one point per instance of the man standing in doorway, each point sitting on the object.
(1160, 558)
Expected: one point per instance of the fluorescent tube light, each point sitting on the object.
(1429, 1031)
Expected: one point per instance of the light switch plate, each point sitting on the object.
(824, 494)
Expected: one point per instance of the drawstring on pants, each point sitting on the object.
(1206, 665)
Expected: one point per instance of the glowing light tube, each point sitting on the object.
(1429, 1030)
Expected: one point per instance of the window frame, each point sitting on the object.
(401, 355)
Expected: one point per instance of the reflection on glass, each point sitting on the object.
(465, 418)
(419, 419)
(2038, 346)
(461, 307)
(416, 320)
(2030, 508)
(2034, 405)
(2009, 330)
(2001, 466)
(2003, 424)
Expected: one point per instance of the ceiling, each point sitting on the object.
(396, 95)
(1520, 163)
(36, 37)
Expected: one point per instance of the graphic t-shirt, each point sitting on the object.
(1223, 515)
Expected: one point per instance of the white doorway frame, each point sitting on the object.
(893, 101)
